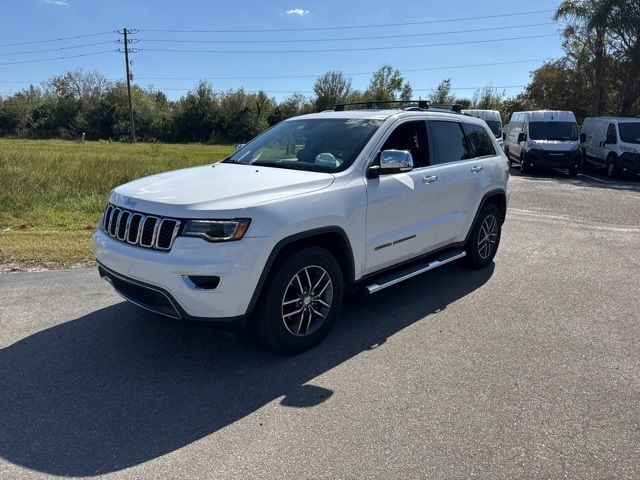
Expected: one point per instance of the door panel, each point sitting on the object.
(401, 218)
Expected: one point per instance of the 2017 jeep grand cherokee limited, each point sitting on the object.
(273, 236)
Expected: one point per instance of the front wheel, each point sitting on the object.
(612, 167)
(300, 301)
(573, 171)
(483, 242)
(524, 168)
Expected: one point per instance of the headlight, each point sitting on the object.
(534, 146)
(217, 230)
(628, 149)
(575, 147)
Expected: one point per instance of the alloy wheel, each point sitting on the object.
(488, 236)
(307, 301)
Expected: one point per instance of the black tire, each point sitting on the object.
(476, 256)
(269, 325)
(613, 169)
(524, 168)
(573, 171)
(584, 163)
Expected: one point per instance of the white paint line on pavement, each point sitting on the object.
(570, 221)
(595, 178)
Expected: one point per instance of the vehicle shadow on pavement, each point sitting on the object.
(121, 386)
(595, 178)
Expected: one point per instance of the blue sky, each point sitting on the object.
(175, 72)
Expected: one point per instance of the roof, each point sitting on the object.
(382, 114)
(615, 119)
(543, 116)
(483, 114)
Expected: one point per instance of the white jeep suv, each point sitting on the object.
(273, 236)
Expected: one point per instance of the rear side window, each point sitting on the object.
(478, 140)
(449, 142)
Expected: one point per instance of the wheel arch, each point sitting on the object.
(496, 197)
(333, 239)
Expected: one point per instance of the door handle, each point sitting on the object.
(429, 179)
(476, 168)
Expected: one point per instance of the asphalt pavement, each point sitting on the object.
(527, 369)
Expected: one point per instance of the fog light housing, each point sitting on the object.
(201, 282)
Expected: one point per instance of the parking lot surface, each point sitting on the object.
(528, 369)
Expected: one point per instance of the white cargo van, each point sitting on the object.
(493, 119)
(612, 143)
(544, 138)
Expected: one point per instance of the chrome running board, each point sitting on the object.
(413, 271)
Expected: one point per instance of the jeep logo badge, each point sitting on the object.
(130, 202)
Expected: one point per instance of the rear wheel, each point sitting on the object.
(483, 242)
(300, 301)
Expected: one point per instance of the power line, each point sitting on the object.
(427, 22)
(56, 39)
(280, 77)
(58, 58)
(357, 49)
(311, 92)
(402, 70)
(57, 49)
(377, 37)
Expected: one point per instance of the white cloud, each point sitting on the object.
(60, 3)
(293, 11)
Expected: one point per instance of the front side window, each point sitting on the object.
(553, 131)
(449, 142)
(410, 136)
(611, 133)
(479, 141)
(317, 145)
(629, 132)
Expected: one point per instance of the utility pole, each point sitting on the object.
(127, 50)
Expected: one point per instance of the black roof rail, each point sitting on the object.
(409, 105)
(384, 104)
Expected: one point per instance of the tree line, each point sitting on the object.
(599, 74)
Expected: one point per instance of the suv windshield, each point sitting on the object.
(495, 127)
(629, 132)
(318, 145)
(553, 131)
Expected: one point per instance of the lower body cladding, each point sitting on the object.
(553, 159)
(196, 280)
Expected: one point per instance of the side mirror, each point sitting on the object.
(392, 161)
(522, 137)
(240, 146)
(583, 137)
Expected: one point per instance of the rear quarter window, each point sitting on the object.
(478, 140)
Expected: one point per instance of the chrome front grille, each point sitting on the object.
(135, 228)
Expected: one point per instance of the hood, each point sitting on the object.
(196, 191)
(556, 145)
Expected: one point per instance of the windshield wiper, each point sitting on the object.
(282, 164)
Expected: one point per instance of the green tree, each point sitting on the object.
(387, 84)
(442, 93)
(594, 15)
(331, 88)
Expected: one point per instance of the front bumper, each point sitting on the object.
(629, 162)
(156, 280)
(553, 159)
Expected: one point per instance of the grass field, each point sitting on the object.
(52, 192)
